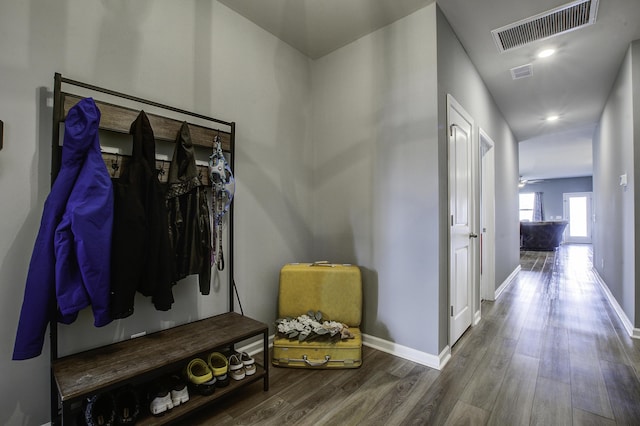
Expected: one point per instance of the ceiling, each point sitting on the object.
(318, 27)
(573, 84)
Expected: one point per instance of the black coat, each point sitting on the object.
(141, 257)
(189, 225)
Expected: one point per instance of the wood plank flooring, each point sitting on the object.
(549, 351)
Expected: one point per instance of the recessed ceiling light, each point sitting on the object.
(552, 118)
(546, 53)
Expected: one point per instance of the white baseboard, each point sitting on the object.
(255, 347)
(433, 361)
(506, 283)
(477, 317)
(626, 322)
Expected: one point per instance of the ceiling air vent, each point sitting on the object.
(560, 20)
(522, 71)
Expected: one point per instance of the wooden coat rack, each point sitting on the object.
(118, 118)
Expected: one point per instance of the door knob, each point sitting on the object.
(473, 235)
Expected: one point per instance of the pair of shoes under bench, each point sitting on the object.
(241, 365)
(121, 407)
(248, 363)
(169, 395)
(236, 367)
(127, 406)
(200, 377)
(219, 365)
(179, 390)
(160, 402)
(99, 410)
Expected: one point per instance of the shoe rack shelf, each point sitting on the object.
(148, 357)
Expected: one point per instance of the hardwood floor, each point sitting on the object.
(549, 351)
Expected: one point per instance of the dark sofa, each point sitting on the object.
(543, 236)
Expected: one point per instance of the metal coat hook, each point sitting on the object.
(115, 166)
(215, 142)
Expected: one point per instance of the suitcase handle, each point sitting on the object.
(326, 263)
(316, 363)
(322, 263)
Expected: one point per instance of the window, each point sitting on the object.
(526, 206)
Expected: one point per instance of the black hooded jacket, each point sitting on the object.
(141, 257)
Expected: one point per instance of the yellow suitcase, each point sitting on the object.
(336, 291)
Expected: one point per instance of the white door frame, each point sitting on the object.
(462, 316)
(487, 218)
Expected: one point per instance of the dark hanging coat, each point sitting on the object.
(70, 264)
(189, 226)
(141, 258)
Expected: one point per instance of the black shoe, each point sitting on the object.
(99, 410)
(223, 381)
(206, 388)
(127, 406)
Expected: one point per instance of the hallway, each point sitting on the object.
(567, 358)
(549, 351)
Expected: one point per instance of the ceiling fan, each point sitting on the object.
(522, 181)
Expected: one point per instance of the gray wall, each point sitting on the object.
(553, 189)
(614, 239)
(377, 175)
(381, 155)
(458, 76)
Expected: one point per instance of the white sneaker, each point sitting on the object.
(160, 404)
(179, 396)
(179, 390)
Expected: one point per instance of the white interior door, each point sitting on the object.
(577, 211)
(460, 127)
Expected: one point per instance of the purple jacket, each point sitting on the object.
(70, 264)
